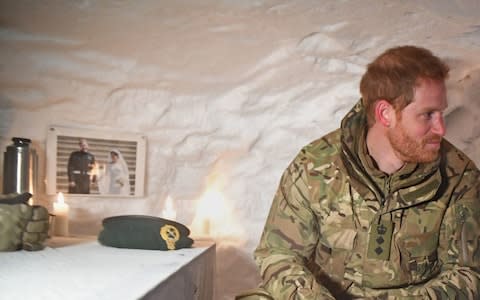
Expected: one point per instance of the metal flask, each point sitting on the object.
(20, 167)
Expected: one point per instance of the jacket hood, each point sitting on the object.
(415, 182)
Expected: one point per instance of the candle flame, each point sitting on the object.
(169, 210)
(212, 205)
(213, 216)
(169, 203)
(60, 198)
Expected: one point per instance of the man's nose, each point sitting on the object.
(439, 126)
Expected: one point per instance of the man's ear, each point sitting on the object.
(384, 113)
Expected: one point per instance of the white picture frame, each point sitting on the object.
(63, 141)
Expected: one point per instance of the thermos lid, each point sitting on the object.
(21, 141)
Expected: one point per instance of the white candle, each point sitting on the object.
(60, 210)
(169, 211)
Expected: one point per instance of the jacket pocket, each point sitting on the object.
(419, 256)
(333, 255)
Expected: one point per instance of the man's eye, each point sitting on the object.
(428, 115)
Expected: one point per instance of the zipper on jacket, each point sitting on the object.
(386, 191)
(461, 216)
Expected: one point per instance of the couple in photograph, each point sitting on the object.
(112, 177)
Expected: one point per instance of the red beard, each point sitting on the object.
(410, 149)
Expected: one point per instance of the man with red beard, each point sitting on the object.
(383, 207)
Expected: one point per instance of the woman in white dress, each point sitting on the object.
(115, 179)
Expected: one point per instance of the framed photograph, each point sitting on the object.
(95, 162)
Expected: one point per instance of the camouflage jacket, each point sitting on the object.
(339, 228)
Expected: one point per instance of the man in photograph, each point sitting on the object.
(80, 165)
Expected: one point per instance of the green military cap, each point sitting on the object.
(144, 232)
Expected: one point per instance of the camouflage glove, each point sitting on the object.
(144, 232)
(23, 226)
(15, 198)
(254, 294)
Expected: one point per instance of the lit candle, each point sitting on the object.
(169, 211)
(60, 210)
